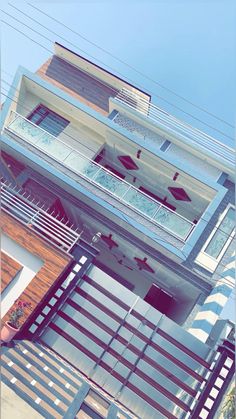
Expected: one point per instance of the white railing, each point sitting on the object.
(42, 223)
(121, 190)
(162, 118)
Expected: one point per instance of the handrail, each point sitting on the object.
(99, 169)
(156, 114)
(43, 223)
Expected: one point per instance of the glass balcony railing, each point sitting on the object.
(165, 218)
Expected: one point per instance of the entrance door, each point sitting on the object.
(159, 299)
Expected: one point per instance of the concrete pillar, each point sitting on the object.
(215, 302)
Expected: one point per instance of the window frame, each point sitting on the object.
(207, 261)
(48, 111)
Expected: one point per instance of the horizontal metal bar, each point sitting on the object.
(23, 208)
(46, 226)
(30, 204)
(29, 222)
(153, 108)
(50, 220)
(154, 113)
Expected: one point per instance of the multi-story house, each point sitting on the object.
(117, 225)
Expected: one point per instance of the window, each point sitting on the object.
(48, 120)
(221, 235)
(219, 240)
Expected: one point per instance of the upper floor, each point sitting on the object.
(144, 168)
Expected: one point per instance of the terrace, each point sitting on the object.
(110, 184)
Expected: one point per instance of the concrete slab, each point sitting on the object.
(12, 406)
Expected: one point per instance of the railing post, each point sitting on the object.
(155, 213)
(127, 190)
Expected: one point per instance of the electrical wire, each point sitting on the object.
(154, 94)
(117, 58)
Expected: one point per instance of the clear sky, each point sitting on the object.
(186, 45)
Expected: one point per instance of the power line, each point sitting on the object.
(22, 33)
(121, 61)
(154, 94)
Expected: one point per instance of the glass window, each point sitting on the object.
(48, 120)
(222, 234)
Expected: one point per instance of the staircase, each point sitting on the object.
(39, 378)
(52, 387)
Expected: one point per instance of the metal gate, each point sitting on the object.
(141, 358)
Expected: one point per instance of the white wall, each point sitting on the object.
(78, 136)
(200, 165)
(30, 263)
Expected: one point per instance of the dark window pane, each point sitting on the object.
(48, 120)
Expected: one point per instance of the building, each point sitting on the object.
(117, 225)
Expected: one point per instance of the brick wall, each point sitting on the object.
(77, 83)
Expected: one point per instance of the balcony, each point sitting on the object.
(44, 224)
(164, 120)
(123, 192)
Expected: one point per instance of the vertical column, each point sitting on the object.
(77, 402)
(83, 254)
(214, 303)
(219, 381)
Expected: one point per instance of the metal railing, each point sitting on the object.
(41, 222)
(96, 174)
(162, 118)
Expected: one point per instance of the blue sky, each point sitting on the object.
(188, 46)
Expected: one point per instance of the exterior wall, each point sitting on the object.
(9, 268)
(142, 132)
(76, 135)
(53, 262)
(77, 83)
(13, 166)
(96, 71)
(205, 168)
(222, 279)
(175, 131)
(76, 208)
(229, 198)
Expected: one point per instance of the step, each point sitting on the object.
(39, 378)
